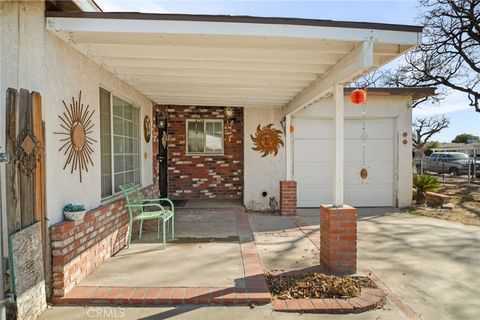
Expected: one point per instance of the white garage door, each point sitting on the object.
(313, 162)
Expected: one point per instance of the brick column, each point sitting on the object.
(288, 198)
(338, 239)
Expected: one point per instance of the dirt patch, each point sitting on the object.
(317, 286)
(466, 199)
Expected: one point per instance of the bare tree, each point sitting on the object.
(386, 78)
(450, 53)
(374, 79)
(424, 129)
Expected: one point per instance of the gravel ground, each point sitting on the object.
(465, 197)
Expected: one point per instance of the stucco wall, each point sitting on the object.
(37, 60)
(68, 72)
(20, 65)
(261, 173)
(264, 174)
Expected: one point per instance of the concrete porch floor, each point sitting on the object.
(429, 266)
(206, 253)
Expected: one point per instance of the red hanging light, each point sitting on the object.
(358, 96)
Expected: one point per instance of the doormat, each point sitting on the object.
(179, 203)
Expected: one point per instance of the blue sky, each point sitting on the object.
(463, 117)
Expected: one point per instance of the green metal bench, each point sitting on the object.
(137, 209)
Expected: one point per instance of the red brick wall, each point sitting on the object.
(288, 197)
(203, 177)
(78, 247)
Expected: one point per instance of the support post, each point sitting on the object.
(339, 147)
(288, 148)
(338, 239)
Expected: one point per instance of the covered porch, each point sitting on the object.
(278, 65)
(275, 66)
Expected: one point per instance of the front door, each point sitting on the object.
(162, 157)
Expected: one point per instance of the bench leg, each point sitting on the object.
(130, 233)
(173, 227)
(141, 226)
(164, 236)
(158, 228)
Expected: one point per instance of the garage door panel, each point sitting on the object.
(310, 129)
(355, 194)
(309, 195)
(375, 150)
(313, 172)
(313, 150)
(376, 129)
(378, 173)
(313, 162)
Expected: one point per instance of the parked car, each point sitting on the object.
(455, 163)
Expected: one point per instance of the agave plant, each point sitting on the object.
(424, 184)
(74, 207)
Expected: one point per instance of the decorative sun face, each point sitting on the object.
(76, 122)
(267, 140)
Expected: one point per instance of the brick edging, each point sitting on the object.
(151, 296)
(369, 299)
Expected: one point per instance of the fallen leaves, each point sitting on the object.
(317, 286)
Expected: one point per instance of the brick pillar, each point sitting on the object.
(338, 239)
(288, 198)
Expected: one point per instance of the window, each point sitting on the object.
(204, 136)
(120, 143)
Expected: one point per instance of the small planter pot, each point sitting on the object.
(75, 215)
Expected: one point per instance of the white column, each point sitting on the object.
(339, 147)
(288, 148)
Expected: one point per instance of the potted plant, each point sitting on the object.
(74, 212)
(424, 184)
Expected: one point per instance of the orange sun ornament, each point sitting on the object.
(358, 96)
(267, 140)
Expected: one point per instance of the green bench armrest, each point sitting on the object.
(145, 205)
(160, 200)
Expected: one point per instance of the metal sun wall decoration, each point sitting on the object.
(229, 115)
(76, 122)
(267, 140)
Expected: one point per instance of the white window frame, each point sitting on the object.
(112, 154)
(205, 153)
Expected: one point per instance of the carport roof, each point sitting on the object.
(232, 60)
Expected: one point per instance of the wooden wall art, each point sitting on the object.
(76, 122)
(267, 140)
(147, 129)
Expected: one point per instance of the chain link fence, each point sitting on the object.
(448, 171)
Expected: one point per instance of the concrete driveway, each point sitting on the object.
(430, 266)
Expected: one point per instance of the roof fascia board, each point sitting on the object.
(231, 28)
(241, 19)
